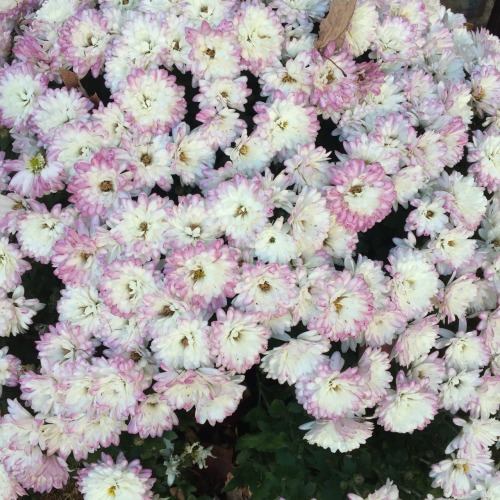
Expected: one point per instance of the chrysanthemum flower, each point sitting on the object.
(345, 306)
(55, 107)
(202, 274)
(408, 408)
(241, 207)
(329, 393)
(250, 152)
(38, 231)
(125, 283)
(151, 100)
(268, 289)
(309, 220)
(106, 479)
(139, 226)
(12, 265)
(459, 390)
(33, 177)
(275, 244)
(20, 85)
(184, 346)
(147, 157)
(16, 312)
(98, 184)
(388, 492)
(260, 35)
(152, 417)
(296, 357)
(83, 41)
(286, 123)
(429, 217)
(190, 153)
(237, 339)
(215, 53)
(361, 195)
(334, 80)
(459, 476)
(414, 281)
(75, 141)
(340, 434)
(417, 340)
(223, 93)
(484, 154)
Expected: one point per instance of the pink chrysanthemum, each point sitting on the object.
(215, 53)
(139, 226)
(152, 417)
(77, 258)
(124, 284)
(331, 393)
(484, 154)
(268, 289)
(361, 195)
(33, 177)
(12, 265)
(202, 274)
(339, 434)
(98, 184)
(334, 80)
(55, 108)
(345, 306)
(151, 100)
(107, 479)
(83, 41)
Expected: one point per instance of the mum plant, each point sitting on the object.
(196, 197)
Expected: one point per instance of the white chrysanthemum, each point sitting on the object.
(459, 476)
(81, 307)
(249, 153)
(19, 88)
(343, 434)
(414, 281)
(274, 243)
(57, 11)
(106, 480)
(260, 35)
(453, 247)
(476, 435)
(289, 124)
(388, 492)
(410, 407)
(465, 351)
(459, 391)
(191, 152)
(39, 232)
(385, 325)
(237, 340)
(184, 346)
(417, 340)
(309, 220)
(362, 27)
(297, 357)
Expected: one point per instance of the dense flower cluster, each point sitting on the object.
(169, 299)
